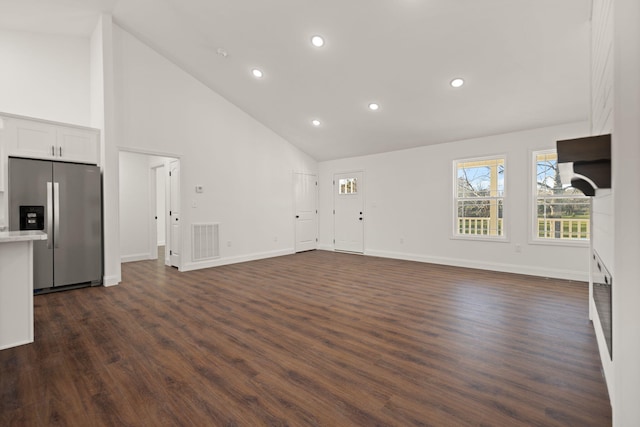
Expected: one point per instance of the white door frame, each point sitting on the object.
(175, 220)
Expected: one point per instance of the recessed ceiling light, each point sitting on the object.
(256, 73)
(317, 41)
(457, 82)
(373, 106)
(315, 122)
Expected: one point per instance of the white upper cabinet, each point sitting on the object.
(30, 138)
(78, 145)
(52, 141)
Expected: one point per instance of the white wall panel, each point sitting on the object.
(602, 67)
(602, 119)
(626, 184)
(602, 98)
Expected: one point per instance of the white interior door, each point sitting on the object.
(306, 195)
(157, 209)
(153, 214)
(161, 206)
(175, 241)
(348, 218)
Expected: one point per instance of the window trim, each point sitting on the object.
(504, 238)
(533, 209)
(350, 193)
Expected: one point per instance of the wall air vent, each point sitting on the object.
(585, 163)
(205, 241)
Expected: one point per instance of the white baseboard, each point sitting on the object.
(135, 257)
(455, 262)
(15, 344)
(482, 265)
(111, 280)
(190, 266)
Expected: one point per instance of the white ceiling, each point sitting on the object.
(525, 62)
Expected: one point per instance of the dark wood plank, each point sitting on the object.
(312, 339)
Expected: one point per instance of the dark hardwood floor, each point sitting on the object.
(312, 339)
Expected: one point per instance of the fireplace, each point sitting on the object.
(602, 287)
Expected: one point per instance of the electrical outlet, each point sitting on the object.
(402, 240)
(228, 243)
(518, 247)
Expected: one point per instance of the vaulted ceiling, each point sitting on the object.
(525, 63)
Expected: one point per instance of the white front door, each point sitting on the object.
(305, 188)
(174, 214)
(348, 218)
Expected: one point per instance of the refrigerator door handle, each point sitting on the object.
(56, 213)
(49, 213)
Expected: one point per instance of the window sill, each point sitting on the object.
(480, 238)
(560, 242)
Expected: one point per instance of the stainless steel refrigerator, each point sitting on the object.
(65, 201)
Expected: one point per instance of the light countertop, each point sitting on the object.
(21, 236)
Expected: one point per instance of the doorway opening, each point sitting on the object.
(149, 201)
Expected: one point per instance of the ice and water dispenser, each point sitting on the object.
(31, 217)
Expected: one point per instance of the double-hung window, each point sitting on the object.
(561, 212)
(479, 186)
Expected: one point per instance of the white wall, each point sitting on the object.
(408, 196)
(245, 168)
(45, 76)
(626, 183)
